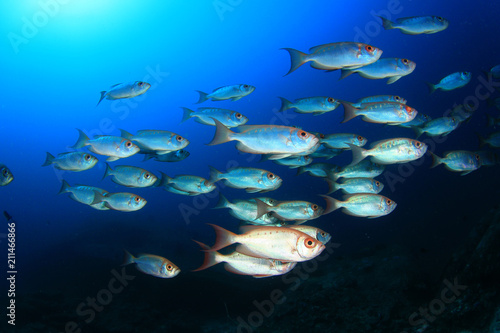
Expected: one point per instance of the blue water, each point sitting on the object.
(58, 56)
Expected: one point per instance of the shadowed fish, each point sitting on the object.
(130, 176)
(125, 202)
(392, 68)
(186, 184)
(341, 140)
(246, 210)
(450, 82)
(389, 113)
(314, 105)
(377, 99)
(84, 194)
(355, 185)
(125, 90)
(206, 116)
(493, 140)
(439, 126)
(152, 265)
(458, 161)
(390, 151)
(417, 25)
(299, 211)
(318, 169)
(161, 142)
(6, 176)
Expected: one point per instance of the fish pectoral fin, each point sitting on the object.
(466, 173)
(348, 212)
(279, 156)
(243, 249)
(236, 98)
(112, 159)
(393, 79)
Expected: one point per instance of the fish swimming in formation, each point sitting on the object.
(355, 185)
(125, 202)
(439, 126)
(314, 105)
(458, 161)
(390, 151)
(363, 169)
(417, 25)
(72, 161)
(392, 68)
(130, 176)
(450, 82)
(377, 99)
(173, 156)
(125, 90)
(253, 180)
(113, 146)
(152, 265)
(318, 169)
(362, 205)
(234, 93)
(206, 116)
(186, 184)
(6, 176)
(341, 140)
(246, 210)
(292, 162)
(389, 113)
(84, 194)
(160, 142)
(296, 210)
(493, 140)
(335, 56)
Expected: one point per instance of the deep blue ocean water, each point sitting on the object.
(58, 55)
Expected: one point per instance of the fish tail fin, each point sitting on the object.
(163, 180)
(436, 160)
(65, 187)
(215, 175)
(103, 95)
(211, 257)
(128, 258)
(300, 170)
(332, 186)
(126, 135)
(223, 237)
(331, 204)
(98, 197)
(203, 97)
(82, 140)
(432, 87)
(223, 202)
(262, 208)
(482, 140)
(297, 59)
(418, 131)
(108, 172)
(222, 134)
(358, 153)
(187, 113)
(349, 112)
(285, 104)
(264, 158)
(387, 24)
(147, 157)
(49, 159)
(345, 73)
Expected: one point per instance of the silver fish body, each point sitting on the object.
(125, 90)
(153, 265)
(173, 156)
(390, 151)
(233, 92)
(113, 146)
(84, 194)
(315, 105)
(206, 116)
(130, 176)
(252, 179)
(451, 82)
(417, 25)
(362, 205)
(377, 99)
(6, 176)
(356, 185)
(389, 113)
(439, 126)
(186, 184)
(341, 140)
(125, 202)
(458, 161)
(71, 161)
(291, 210)
(363, 169)
(392, 68)
(161, 142)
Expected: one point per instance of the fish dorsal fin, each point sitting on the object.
(115, 85)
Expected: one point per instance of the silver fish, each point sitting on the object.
(381, 112)
(299, 211)
(363, 169)
(417, 24)
(72, 161)
(234, 93)
(130, 176)
(314, 105)
(292, 162)
(378, 98)
(125, 90)
(251, 179)
(186, 184)
(319, 169)
(362, 205)
(355, 185)
(206, 116)
(458, 161)
(340, 140)
(392, 68)
(84, 194)
(439, 126)
(161, 142)
(390, 151)
(6, 176)
(245, 210)
(125, 202)
(493, 140)
(153, 265)
(113, 146)
(450, 82)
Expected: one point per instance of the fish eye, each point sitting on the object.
(270, 176)
(206, 183)
(245, 86)
(147, 176)
(369, 48)
(307, 158)
(321, 135)
(330, 99)
(323, 234)
(303, 134)
(87, 157)
(5, 172)
(238, 115)
(140, 84)
(169, 267)
(388, 202)
(440, 19)
(269, 215)
(418, 144)
(477, 157)
(179, 138)
(137, 199)
(360, 138)
(397, 98)
(128, 144)
(314, 207)
(405, 61)
(377, 183)
(309, 243)
(272, 201)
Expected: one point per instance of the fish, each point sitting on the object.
(246, 210)
(296, 210)
(363, 169)
(340, 140)
(378, 98)
(243, 264)
(292, 162)
(335, 56)
(72, 161)
(390, 151)
(316, 233)
(488, 158)
(113, 146)
(439, 126)
(451, 82)
(161, 142)
(324, 152)
(493, 140)
(233, 92)
(253, 180)
(315, 105)
(186, 184)
(458, 161)
(362, 205)
(280, 243)
(462, 112)
(419, 120)
(206, 116)
(125, 90)
(130, 176)
(124, 202)
(84, 194)
(152, 265)
(173, 156)
(280, 141)
(319, 169)
(6, 176)
(392, 68)
(417, 25)
(389, 113)
(355, 185)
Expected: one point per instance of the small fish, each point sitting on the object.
(377, 99)
(186, 184)
(206, 116)
(341, 140)
(234, 93)
(314, 232)
(355, 185)
(243, 264)
(84, 194)
(381, 112)
(280, 141)
(462, 112)
(319, 169)
(362, 205)
(113, 146)
(488, 158)
(152, 265)
(6, 176)
(439, 126)
(299, 211)
(292, 162)
(390, 151)
(364, 169)
(173, 156)
(419, 120)
(278, 243)
(458, 161)
(493, 140)
(335, 56)
(72, 161)
(251, 179)
(314, 105)
(417, 25)
(125, 90)
(125, 202)
(492, 121)
(246, 210)
(161, 142)
(392, 68)
(130, 176)
(450, 82)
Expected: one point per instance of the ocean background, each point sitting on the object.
(51, 78)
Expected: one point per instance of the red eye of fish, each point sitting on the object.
(147, 176)
(87, 157)
(360, 138)
(405, 61)
(314, 207)
(303, 134)
(206, 183)
(418, 144)
(238, 115)
(369, 48)
(389, 202)
(169, 267)
(137, 199)
(330, 100)
(309, 243)
(377, 183)
(321, 135)
(178, 138)
(128, 144)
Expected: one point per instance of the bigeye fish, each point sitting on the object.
(152, 265)
(493, 140)
(335, 56)
(488, 158)
(206, 116)
(234, 93)
(173, 156)
(319, 169)
(251, 179)
(340, 140)
(130, 176)
(299, 211)
(458, 161)
(389, 113)
(243, 264)
(314, 232)
(355, 185)
(161, 142)
(364, 169)
(419, 120)
(324, 152)
(377, 99)
(245, 210)
(292, 162)
(362, 205)
(124, 202)
(450, 82)
(113, 146)
(314, 105)
(280, 243)
(72, 161)
(390, 151)
(439, 126)
(6, 176)
(84, 194)
(125, 90)
(417, 25)
(186, 184)
(280, 141)
(392, 68)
